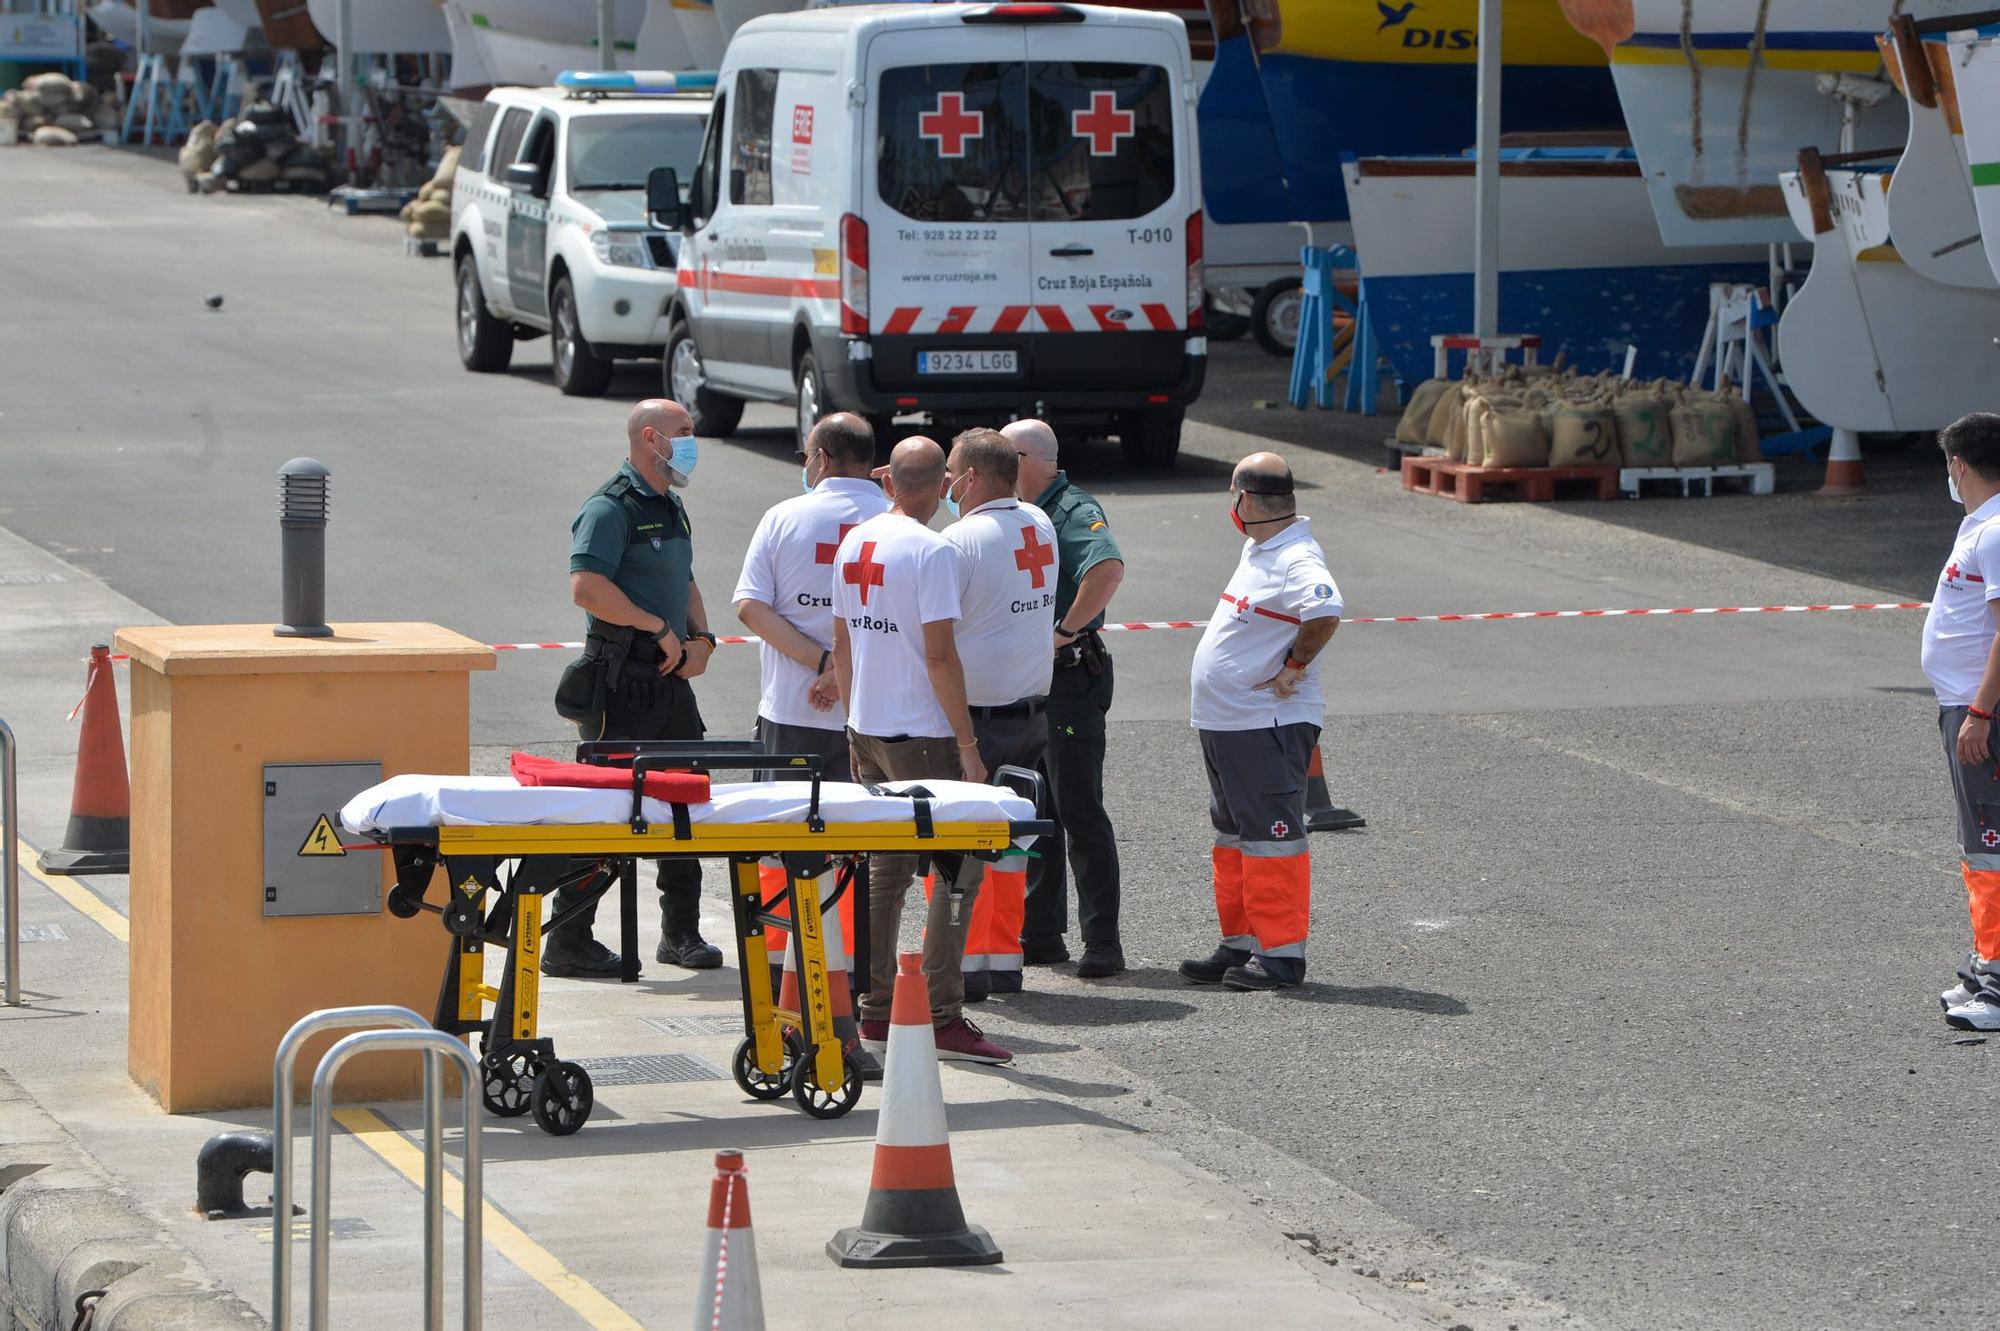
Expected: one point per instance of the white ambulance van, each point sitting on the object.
(962, 212)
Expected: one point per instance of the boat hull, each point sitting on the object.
(1932, 212)
(385, 27)
(1978, 91)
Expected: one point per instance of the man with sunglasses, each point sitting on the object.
(1257, 706)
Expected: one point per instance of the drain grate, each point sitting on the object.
(694, 1026)
(651, 1069)
(43, 933)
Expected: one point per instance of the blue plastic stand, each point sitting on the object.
(1314, 356)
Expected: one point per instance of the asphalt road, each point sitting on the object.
(1621, 1008)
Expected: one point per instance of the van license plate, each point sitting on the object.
(968, 362)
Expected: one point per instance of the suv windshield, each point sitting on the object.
(1073, 141)
(617, 152)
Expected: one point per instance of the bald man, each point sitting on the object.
(1257, 705)
(631, 570)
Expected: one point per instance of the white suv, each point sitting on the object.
(550, 232)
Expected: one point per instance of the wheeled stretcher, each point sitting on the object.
(504, 846)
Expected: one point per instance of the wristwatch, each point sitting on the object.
(704, 635)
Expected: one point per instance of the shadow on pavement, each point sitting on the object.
(1378, 995)
(1090, 1010)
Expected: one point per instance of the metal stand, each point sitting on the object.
(10, 861)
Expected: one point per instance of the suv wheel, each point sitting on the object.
(1274, 315)
(579, 370)
(485, 344)
(712, 413)
(811, 397)
(1151, 439)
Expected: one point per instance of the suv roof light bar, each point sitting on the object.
(634, 82)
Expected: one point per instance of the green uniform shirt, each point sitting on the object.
(1083, 540)
(639, 540)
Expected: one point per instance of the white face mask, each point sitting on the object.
(1951, 481)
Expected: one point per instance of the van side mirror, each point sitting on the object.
(523, 176)
(663, 197)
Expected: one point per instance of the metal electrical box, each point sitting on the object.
(306, 870)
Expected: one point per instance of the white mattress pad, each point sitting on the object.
(414, 800)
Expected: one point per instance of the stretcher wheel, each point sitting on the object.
(752, 1079)
(562, 1099)
(822, 1103)
(507, 1084)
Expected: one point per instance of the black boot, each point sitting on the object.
(1211, 971)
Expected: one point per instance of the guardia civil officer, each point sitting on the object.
(1257, 705)
(1088, 570)
(785, 592)
(1007, 584)
(631, 571)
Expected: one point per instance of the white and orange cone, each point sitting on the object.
(730, 1298)
(913, 1217)
(1843, 466)
(839, 990)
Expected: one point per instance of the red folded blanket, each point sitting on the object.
(673, 787)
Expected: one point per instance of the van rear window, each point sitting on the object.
(1009, 142)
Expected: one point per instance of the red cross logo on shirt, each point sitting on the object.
(1033, 558)
(864, 572)
(1990, 838)
(1103, 124)
(951, 124)
(1952, 575)
(823, 552)
(1241, 604)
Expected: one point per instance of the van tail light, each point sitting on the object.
(1030, 13)
(853, 275)
(1195, 293)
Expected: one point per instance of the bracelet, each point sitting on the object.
(968, 744)
(824, 657)
(1293, 663)
(1975, 712)
(1062, 632)
(665, 629)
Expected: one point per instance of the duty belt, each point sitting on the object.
(1087, 651)
(1026, 707)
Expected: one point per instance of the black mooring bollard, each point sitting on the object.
(219, 1169)
(302, 486)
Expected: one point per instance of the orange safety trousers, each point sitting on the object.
(993, 930)
(1264, 900)
(1982, 892)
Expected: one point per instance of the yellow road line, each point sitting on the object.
(508, 1238)
(77, 895)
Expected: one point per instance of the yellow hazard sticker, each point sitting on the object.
(322, 840)
(826, 262)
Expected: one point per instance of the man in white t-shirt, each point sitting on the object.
(1006, 637)
(895, 658)
(1257, 706)
(785, 592)
(1961, 655)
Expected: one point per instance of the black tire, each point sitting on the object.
(508, 1084)
(714, 413)
(562, 1099)
(485, 344)
(809, 400)
(750, 1079)
(1220, 325)
(822, 1103)
(1274, 316)
(1151, 439)
(579, 370)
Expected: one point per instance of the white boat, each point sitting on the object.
(733, 14)
(529, 42)
(385, 27)
(702, 31)
(243, 11)
(1932, 214)
(1581, 263)
(120, 22)
(215, 31)
(660, 44)
(1720, 95)
(1869, 344)
(1976, 63)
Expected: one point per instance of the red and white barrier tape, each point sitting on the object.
(1143, 626)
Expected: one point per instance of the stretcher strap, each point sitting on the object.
(920, 806)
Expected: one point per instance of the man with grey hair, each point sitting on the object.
(631, 570)
(1088, 571)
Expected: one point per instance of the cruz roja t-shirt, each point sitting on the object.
(1278, 585)
(892, 576)
(1958, 632)
(789, 567)
(1007, 592)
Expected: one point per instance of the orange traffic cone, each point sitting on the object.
(99, 836)
(840, 994)
(1843, 466)
(1321, 814)
(913, 1217)
(729, 1298)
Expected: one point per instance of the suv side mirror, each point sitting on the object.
(663, 197)
(523, 176)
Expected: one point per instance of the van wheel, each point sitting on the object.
(1151, 439)
(1274, 315)
(580, 371)
(484, 343)
(1221, 325)
(711, 413)
(811, 396)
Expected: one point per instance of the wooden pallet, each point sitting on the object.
(1477, 485)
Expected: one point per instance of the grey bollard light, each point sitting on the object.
(302, 485)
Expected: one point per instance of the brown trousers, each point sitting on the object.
(889, 878)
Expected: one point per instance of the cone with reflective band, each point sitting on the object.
(913, 1217)
(839, 992)
(1843, 466)
(771, 881)
(729, 1297)
(1321, 813)
(99, 836)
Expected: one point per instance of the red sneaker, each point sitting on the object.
(962, 1040)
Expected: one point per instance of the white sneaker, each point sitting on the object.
(1980, 1014)
(1955, 996)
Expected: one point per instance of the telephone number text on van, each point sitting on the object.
(911, 235)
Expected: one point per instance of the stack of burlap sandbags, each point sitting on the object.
(198, 154)
(1546, 418)
(429, 214)
(54, 110)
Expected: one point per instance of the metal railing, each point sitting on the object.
(401, 1021)
(10, 866)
